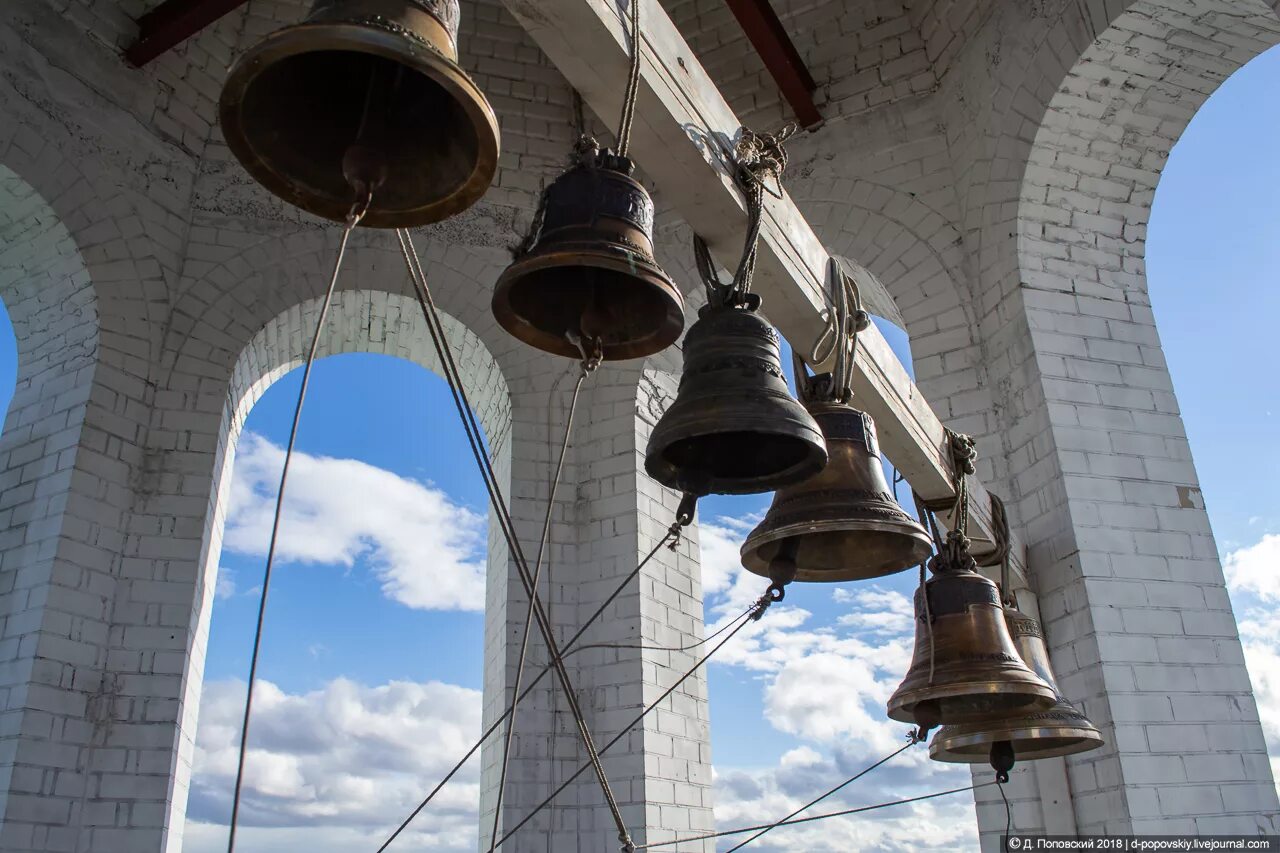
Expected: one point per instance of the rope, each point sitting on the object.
(799, 820)
(757, 610)
(472, 428)
(633, 84)
(672, 535)
(913, 737)
(757, 156)
(357, 213)
(587, 370)
(928, 521)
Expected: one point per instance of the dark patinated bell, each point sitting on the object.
(734, 427)
(843, 524)
(1060, 730)
(974, 673)
(590, 273)
(381, 76)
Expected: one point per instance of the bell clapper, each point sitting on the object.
(591, 349)
(1002, 760)
(782, 568)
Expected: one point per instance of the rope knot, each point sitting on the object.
(763, 155)
(964, 452)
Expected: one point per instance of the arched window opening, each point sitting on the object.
(372, 665)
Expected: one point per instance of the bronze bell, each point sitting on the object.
(1061, 730)
(590, 273)
(734, 428)
(976, 674)
(843, 524)
(364, 91)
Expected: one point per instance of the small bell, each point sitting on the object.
(364, 94)
(1061, 730)
(591, 273)
(966, 668)
(843, 524)
(734, 427)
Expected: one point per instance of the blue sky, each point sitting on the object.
(386, 665)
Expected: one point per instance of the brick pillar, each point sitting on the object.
(607, 517)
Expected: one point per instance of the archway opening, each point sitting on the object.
(372, 665)
(1211, 259)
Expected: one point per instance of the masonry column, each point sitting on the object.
(607, 517)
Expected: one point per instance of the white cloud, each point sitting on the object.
(752, 797)
(1256, 569)
(427, 550)
(727, 587)
(332, 769)
(1253, 578)
(226, 586)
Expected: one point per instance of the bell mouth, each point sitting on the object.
(737, 463)
(970, 703)
(856, 550)
(295, 104)
(1029, 744)
(626, 302)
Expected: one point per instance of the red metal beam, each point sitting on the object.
(173, 22)
(761, 24)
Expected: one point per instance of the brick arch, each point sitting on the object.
(1107, 132)
(359, 321)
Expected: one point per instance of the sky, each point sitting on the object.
(372, 661)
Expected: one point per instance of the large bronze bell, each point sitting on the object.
(843, 524)
(364, 92)
(974, 673)
(734, 427)
(591, 274)
(1061, 730)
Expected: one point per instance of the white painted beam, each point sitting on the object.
(683, 138)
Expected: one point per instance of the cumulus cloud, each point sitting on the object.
(751, 797)
(427, 550)
(727, 587)
(1254, 581)
(332, 769)
(1256, 569)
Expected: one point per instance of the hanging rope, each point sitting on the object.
(757, 158)
(633, 84)
(914, 737)
(356, 214)
(929, 523)
(1000, 556)
(474, 439)
(799, 820)
(588, 367)
(757, 610)
(672, 536)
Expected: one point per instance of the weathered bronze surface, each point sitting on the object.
(591, 271)
(734, 427)
(977, 674)
(379, 75)
(1060, 730)
(843, 524)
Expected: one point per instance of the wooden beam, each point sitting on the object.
(781, 59)
(173, 22)
(683, 139)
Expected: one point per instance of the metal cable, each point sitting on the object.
(799, 820)
(357, 213)
(472, 428)
(672, 534)
(633, 84)
(753, 615)
(912, 739)
(537, 576)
